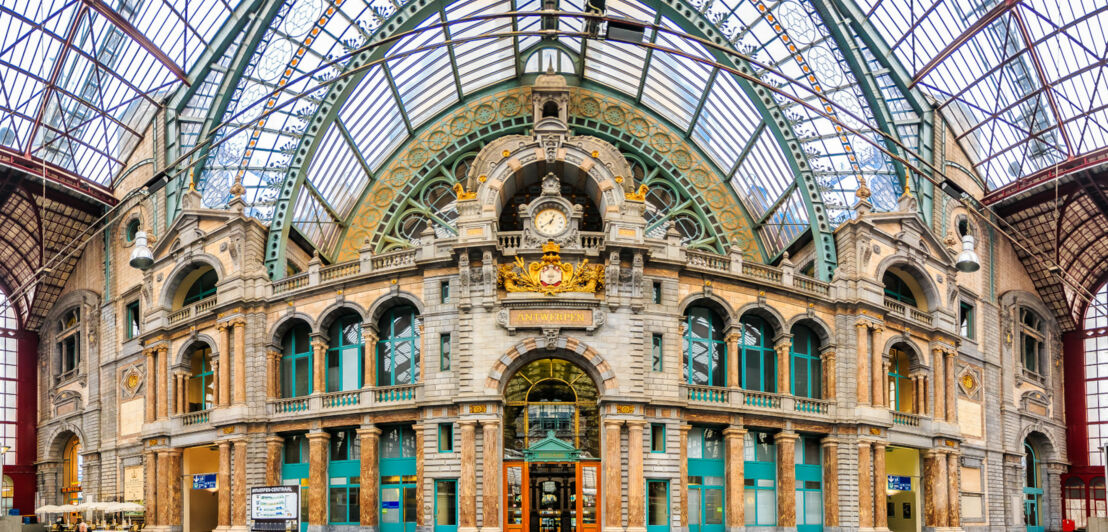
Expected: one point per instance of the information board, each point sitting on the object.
(203, 481)
(275, 507)
(900, 483)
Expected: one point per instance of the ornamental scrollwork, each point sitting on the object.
(550, 275)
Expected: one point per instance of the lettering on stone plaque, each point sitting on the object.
(549, 318)
(133, 483)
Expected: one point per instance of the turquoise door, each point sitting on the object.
(399, 504)
(809, 486)
(1032, 491)
(446, 505)
(705, 507)
(706, 471)
(657, 506)
(294, 472)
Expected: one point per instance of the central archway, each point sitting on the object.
(551, 396)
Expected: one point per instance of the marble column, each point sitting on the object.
(954, 489)
(273, 375)
(225, 365)
(613, 495)
(733, 477)
(182, 390)
(935, 489)
(886, 400)
(786, 478)
(864, 397)
(317, 483)
(948, 387)
(467, 479)
(274, 449)
(240, 362)
(683, 482)
(163, 488)
(223, 483)
(636, 484)
(937, 366)
(784, 365)
(880, 487)
(369, 336)
(370, 438)
(151, 371)
(217, 382)
(173, 502)
(150, 486)
(830, 447)
(490, 494)
(319, 366)
(733, 360)
(865, 485)
(421, 516)
(880, 390)
(162, 380)
(238, 485)
(830, 379)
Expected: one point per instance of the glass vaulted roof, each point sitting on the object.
(81, 79)
(1021, 81)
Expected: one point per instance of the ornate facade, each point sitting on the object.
(554, 361)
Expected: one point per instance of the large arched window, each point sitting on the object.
(68, 343)
(344, 355)
(202, 287)
(902, 393)
(296, 361)
(807, 369)
(72, 471)
(201, 392)
(705, 351)
(398, 348)
(1032, 490)
(899, 288)
(1032, 337)
(759, 360)
(551, 395)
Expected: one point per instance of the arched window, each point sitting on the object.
(1032, 490)
(898, 288)
(807, 369)
(901, 391)
(759, 360)
(1031, 340)
(202, 287)
(398, 348)
(72, 471)
(296, 362)
(344, 356)
(68, 342)
(551, 395)
(1098, 506)
(201, 392)
(1075, 504)
(705, 351)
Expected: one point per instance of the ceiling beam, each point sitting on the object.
(958, 41)
(126, 27)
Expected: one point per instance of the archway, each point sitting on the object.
(551, 445)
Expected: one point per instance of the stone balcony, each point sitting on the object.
(755, 402)
(366, 399)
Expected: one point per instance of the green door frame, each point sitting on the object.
(700, 469)
(809, 478)
(649, 516)
(447, 527)
(1033, 494)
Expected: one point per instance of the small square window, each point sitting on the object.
(446, 437)
(656, 352)
(444, 352)
(965, 320)
(133, 320)
(657, 292)
(657, 438)
(444, 292)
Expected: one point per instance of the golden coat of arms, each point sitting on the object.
(550, 275)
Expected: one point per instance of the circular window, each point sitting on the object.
(132, 230)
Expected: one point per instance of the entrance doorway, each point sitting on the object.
(902, 467)
(552, 496)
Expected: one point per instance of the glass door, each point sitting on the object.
(398, 504)
(588, 496)
(515, 497)
(657, 506)
(705, 504)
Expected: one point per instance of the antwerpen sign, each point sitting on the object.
(550, 317)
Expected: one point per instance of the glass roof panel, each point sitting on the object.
(482, 62)
(338, 171)
(726, 123)
(373, 118)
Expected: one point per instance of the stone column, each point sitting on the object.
(240, 363)
(880, 389)
(182, 393)
(948, 387)
(683, 482)
(151, 371)
(954, 485)
(734, 474)
(173, 502)
(238, 484)
(150, 486)
(273, 373)
(935, 489)
(217, 382)
(733, 362)
(613, 495)
(784, 364)
(319, 366)
(317, 483)
(636, 484)
(880, 487)
(421, 516)
(369, 337)
(864, 397)
(162, 380)
(830, 379)
(370, 438)
(223, 483)
(467, 479)
(937, 366)
(830, 448)
(490, 495)
(274, 447)
(225, 366)
(886, 400)
(865, 486)
(786, 478)
(163, 488)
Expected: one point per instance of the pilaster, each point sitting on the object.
(319, 365)
(830, 448)
(490, 511)
(223, 483)
(467, 480)
(224, 398)
(239, 382)
(865, 485)
(370, 438)
(880, 494)
(863, 358)
(613, 494)
(317, 483)
(636, 484)
(786, 478)
(274, 447)
(238, 484)
(734, 509)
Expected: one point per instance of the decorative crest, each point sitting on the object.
(550, 275)
(461, 193)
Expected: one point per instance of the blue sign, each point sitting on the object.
(203, 481)
(900, 483)
(390, 504)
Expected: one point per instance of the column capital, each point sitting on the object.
(878, 445)
(321, 435)
(238, 322)
(236, 440)
(466, 422)
(274, 439)
(786, 436)
(368, 432)
(489, 422)
(223, 443)
(733, 431)
(829, 440)
(319, 343)
(636, 423)
(609, 423)
(684, 427)
(169, 451)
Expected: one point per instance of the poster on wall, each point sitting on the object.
(275, 507)
(133, 483)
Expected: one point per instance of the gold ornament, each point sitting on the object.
(968, 382)
(461, 193)
(638, 195)
(907, 183)
(550, 275)
(863, 192)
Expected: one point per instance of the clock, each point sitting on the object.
(551, 221)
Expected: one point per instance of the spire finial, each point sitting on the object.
(863, 192)
(907, 182)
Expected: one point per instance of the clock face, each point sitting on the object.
(550, 222)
